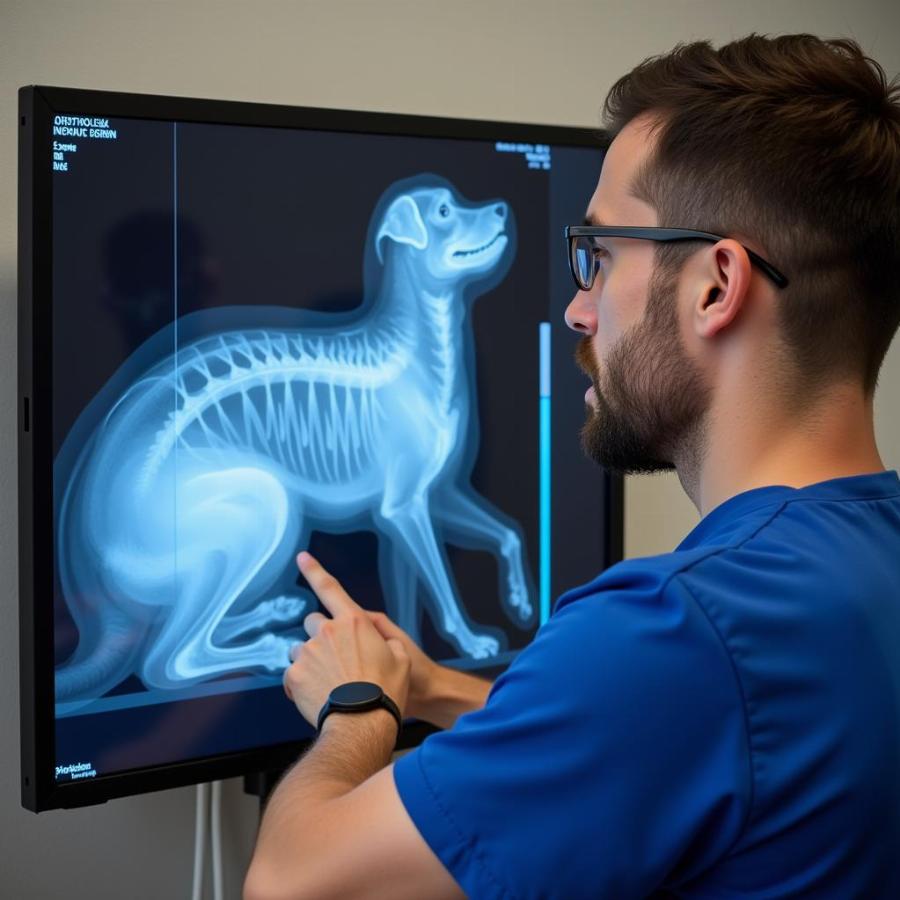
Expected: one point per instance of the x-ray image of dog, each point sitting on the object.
(184, 506)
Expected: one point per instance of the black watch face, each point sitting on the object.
(356, 693)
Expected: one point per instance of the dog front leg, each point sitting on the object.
(409, 523)
(476, 524)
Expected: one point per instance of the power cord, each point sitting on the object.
(201, 817)
(208, 814)
(216, 817)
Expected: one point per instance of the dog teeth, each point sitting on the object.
(480, 249)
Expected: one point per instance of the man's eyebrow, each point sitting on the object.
(592, 220)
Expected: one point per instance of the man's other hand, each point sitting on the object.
(437, 694)
(424, 671)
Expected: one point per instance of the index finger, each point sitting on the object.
(326, 587)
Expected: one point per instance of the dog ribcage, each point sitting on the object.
(309, 402)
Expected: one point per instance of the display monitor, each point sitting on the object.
(246, 330)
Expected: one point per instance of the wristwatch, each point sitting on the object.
(358, 696)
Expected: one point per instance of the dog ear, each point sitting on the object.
(402, 223)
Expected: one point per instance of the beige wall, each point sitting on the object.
(502, 59)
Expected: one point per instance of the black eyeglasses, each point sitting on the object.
(584, 265)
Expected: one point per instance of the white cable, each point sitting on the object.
(200, 840)
(216, 819)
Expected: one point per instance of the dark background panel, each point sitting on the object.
(278, 218)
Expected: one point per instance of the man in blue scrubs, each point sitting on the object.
(722, 720)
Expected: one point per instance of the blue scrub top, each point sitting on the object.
(721, 721)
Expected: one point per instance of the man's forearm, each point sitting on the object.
(351, 748)
(300, 815)
(453, 693)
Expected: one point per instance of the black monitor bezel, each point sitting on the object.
(37, 106)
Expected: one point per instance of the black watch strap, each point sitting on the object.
(358, 696)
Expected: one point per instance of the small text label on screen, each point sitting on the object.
(73, 129)
(536, 155)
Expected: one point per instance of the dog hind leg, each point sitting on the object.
(236, 531)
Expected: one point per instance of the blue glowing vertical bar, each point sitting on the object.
(545, 470)
(175, 240)
(175, 341)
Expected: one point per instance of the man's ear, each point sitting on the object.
(722, 282)
(402, 223)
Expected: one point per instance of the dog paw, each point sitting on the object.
(282, 609)
(520, 602)
(276, 649)
(481, 646)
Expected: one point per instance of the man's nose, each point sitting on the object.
(581, 314)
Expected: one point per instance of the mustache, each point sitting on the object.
(584, 359)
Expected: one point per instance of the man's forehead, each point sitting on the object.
(612, 202)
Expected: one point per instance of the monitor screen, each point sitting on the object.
(253, 330)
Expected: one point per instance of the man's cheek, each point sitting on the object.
(609, 323)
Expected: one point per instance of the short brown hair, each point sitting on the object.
(793, 143)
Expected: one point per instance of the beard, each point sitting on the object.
(651, 400)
